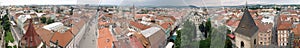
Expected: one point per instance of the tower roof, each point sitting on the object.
(247, 25)
(31, 38)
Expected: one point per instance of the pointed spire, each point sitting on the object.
(246, 4)
(31, 38)
(247, 24)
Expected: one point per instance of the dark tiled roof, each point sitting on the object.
(31, 38)
(247, 25)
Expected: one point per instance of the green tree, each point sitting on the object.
(178, 39)
(43, 19)
(5, 22)
(228, 43)
(49, 21)
(208, 27)
(205, 43)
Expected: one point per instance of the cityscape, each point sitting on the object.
(149, 24)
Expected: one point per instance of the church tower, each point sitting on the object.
(246, 32)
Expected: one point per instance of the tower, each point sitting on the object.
(31, 38)
(246, 32)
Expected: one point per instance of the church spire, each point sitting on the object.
(31, 38)
(247, 24)
(246, 4)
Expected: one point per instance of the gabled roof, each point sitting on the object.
(31, 38)
(247, 25)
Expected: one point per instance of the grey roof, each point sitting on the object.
(247, 25)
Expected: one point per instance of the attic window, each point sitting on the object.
(107, 40)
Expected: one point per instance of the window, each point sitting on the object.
(254, 41)
(261, 43)
(242, 44)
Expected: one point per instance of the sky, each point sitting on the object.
(148, 2)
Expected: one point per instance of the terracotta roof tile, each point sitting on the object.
(263, 27)
(62, 39)
(160, 17)
(139, 16)
(45, 35)
(135, 43)
(230, 22)
(78, 25)
(105, 39)
(166, 25)
(172, 18)
(284, 25)
(145, 42)
(297, 30)
(283, 17)
(139, 25)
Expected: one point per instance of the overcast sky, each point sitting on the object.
(148, 2)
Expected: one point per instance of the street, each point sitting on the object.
(89, 38)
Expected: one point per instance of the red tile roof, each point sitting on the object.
(172, 18)
(297, 30)
(284, 26)
(283, 17)
(45, 35)
(160, 17)
(77, 25)
(105, 39)
(139, 25)
(233, 23)
(135, 43)
(166, 25)
(139, 16)
(230, 22)
(263, 27)
(62, 39)
(145, 42)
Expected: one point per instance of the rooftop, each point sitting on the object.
(150, 31)
(284, 26)
(264, 27)
(139, 25)
(296, 30)
(45, 35)
(105, 39)
(31, 38)
(166, 25)
(247, 25)
(63, 39)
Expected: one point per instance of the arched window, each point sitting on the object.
(242, 44)
(254, 42)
